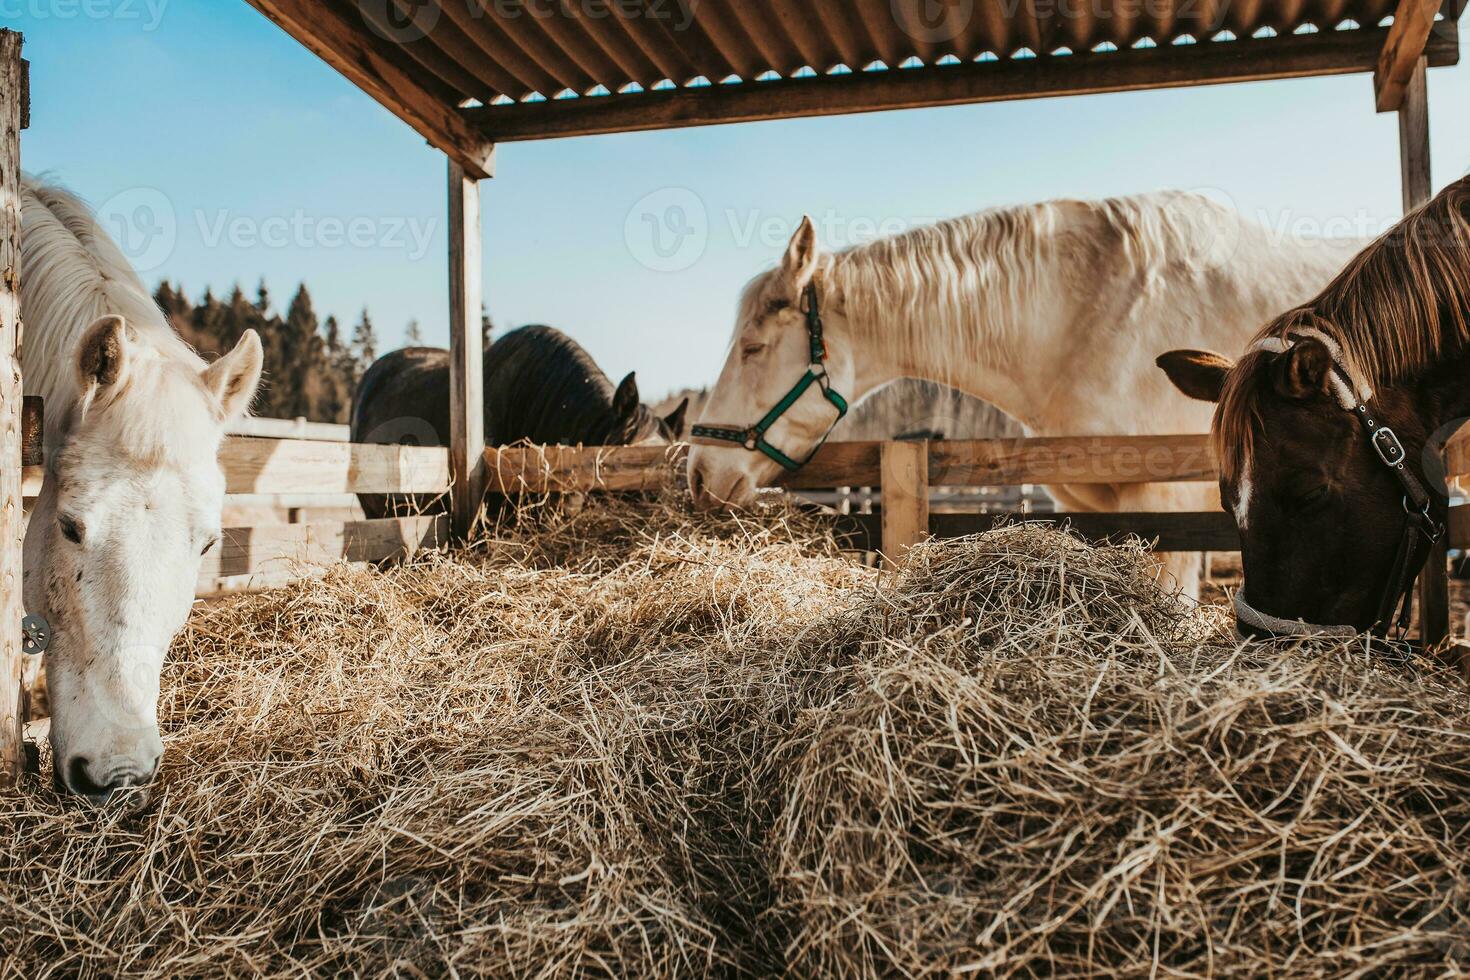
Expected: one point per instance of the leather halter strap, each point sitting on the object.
(753, 437)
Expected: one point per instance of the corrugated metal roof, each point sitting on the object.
(468, 73)
(517, 50)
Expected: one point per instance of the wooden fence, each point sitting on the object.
(906, 473)
(271, 555)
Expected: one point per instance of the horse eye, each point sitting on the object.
(207, 545)
(1313, 496)
(750, 350)
(70, 529)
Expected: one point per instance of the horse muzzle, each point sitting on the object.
(1252, 624)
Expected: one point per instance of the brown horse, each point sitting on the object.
(1328, 428)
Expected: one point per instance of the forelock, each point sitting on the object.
(160, 414)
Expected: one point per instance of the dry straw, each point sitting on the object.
(636, 742)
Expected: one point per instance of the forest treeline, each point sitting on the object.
(311, 365)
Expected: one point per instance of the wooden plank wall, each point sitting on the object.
(12, 520)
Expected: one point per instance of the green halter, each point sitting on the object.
(754, 438)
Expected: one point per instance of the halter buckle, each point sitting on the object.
(1390, 450)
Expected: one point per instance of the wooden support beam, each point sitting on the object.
(466, 352)
(1414, 175)
(1413, 109)
(1403, 49)
(12, 521)
(370, 62)
(1259, 59)
(905, 471)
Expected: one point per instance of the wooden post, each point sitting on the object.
(1434, 582)
(904, 467)
(466, 352)
(12, 523)
(1414, 139)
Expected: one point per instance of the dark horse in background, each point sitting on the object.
(540, 387)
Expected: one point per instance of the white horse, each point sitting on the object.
(133, 488)
(1052, 312)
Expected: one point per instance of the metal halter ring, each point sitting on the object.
(753, 438)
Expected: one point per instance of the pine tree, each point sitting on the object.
(364, 343)
(309, 370)
(180, 313)
(341, 376)
(487, 328)
(413, 336)
(304, 357)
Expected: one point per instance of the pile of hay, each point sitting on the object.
(1038, 764)
(639, 742)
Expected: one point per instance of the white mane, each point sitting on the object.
(72, 274)
(975, 285)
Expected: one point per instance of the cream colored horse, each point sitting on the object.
(133, 488)
(1053, 312)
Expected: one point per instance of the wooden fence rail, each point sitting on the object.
(907, 471)
(274, 554)
(958, 463)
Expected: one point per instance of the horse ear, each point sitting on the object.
(102, 359)
(1305, 369)
(625, 400)
(1198, 373)
(675, 419)
(233, 378)
(800, 264)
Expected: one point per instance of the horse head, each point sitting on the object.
(769, 351)
(635, 424)
(130, 504)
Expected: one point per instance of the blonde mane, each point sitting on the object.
(72, 274)
(1396, 308)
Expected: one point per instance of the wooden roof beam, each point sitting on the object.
(1413, 21)
(1291, 56)
(354, 51)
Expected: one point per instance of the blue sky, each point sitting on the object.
(249, 158)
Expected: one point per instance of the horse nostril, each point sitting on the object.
(696, 484)
(79, 781)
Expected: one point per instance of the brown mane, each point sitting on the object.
(1396, 307)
